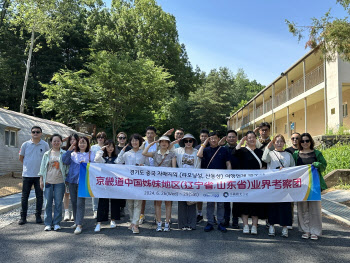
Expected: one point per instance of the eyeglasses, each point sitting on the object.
(37, 132)
(305, 141)
(188, 141)
(294, 138)
(121, 138)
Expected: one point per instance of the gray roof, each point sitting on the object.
(22, 121)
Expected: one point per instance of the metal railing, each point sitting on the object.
(312, 79)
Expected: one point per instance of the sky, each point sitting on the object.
(251, 35)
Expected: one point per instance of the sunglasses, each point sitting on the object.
(37, 132)
(121, 138)
(99, 137)
(305, 141)
(188, 141)
(294, 138)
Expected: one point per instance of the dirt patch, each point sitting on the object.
(10, 184)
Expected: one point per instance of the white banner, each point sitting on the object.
(299, 183)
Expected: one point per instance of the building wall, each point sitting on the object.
(346, 99)
(9, 155)
(332, 69)
(315, 120)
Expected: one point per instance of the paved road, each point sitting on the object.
(29, 243)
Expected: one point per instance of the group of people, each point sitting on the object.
(54, 172)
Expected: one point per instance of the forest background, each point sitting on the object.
(121, 68)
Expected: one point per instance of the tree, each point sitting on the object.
(48, 19)
(112, 87)
(331, 35)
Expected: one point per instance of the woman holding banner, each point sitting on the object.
(133, 157)
(277, 158)
(107, 155)
(309, 212)
(250, 159)
(162, 158)
(78, 152)
(186, 157)
(73, 138)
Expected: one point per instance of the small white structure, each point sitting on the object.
(15, 128)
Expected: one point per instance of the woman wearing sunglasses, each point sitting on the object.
(309, 212)
(186, 157)
(122, 139)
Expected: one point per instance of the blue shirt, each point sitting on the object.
(74, 159)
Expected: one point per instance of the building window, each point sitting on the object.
(10, 138)
(345, 110)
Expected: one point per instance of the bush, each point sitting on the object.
(337, 157)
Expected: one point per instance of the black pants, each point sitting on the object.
(122, 203)
(103, 209)
(26, 188)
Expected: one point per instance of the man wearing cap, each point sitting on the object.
(214, 157)
(30, 155)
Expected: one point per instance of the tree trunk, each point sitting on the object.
(27, 72)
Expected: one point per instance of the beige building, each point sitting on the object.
(311, 96)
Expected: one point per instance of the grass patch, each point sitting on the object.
(337, 157)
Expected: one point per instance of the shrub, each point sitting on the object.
(337, 157)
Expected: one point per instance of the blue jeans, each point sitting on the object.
(219, 212)
(53, 192)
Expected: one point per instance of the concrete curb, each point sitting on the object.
(345, 221)
(16, 205)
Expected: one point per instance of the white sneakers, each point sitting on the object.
(78, 230)
(55, 228)
(254, 230)
(166, 227)
(66, 215)
(285, 232)
(246, 229)
(98, 228)
(272, 230)
(159, 227)
(113, 224)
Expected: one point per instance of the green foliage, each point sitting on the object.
(332, 33)
(112, 87)
(343, 130)
(337, 157)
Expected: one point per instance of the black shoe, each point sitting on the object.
(222, 228)
(22, 221)
(208, 228)
(226, 223)
(235, 226)
(199, 218)
(122, 212)
(38, 220)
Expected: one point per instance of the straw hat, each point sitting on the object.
(188, 136)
